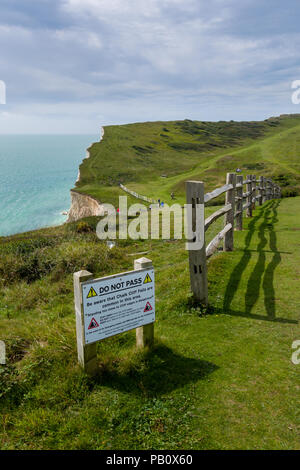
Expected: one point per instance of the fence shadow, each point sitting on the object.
(163, 371)
(262, 275)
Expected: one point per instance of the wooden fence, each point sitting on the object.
(137, 195)
(237, 200)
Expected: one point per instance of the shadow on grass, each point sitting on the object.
(157, 372)
(262, 275)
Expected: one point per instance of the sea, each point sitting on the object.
(36, 175)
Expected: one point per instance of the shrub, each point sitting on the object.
(83, 227)
(291, 192)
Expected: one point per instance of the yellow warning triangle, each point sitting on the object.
(92, 293)
(147, 279)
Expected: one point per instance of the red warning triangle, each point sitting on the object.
(93, 324)
(148, 307)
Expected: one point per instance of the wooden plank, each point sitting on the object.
(229, 216)
(217, 192)
(216, 215)
(197, 258)
(213, 245)
(246, 206)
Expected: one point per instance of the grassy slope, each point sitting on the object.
(223, 380)
(139, 154)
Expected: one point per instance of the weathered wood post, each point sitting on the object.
(144, 334)
(278, 192)
(229, 216)
(197, 258)
(271, 189)
(239, 202)
(87, 357)
(249, 196)
(253, 184)
(260, 190)
(268, 189)
(264, 191)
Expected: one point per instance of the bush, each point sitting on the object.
(291, 192)
(83, 227)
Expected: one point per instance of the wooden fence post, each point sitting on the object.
(249, 197)
(144, 334)
(278, 192)
(260, 190)
(253, 184)
(264, 192)
(239, 203)
(268, 189)
(197, 258)
(229, 216)
(86, 352)
(273, 190)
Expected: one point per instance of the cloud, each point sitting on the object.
(129, 60)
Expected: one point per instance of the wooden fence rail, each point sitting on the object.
(137, 195)
(257, 191)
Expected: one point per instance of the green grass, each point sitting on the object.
(156, 158)
(223, 380)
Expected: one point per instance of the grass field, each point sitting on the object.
(156, 158)
(221, 380)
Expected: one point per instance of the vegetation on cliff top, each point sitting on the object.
(156, 158)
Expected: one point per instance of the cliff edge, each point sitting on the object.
(83, 205)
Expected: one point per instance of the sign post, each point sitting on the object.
(86, 352)
(144, 334)
(112, 305)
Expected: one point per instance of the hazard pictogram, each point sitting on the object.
(93, 324)
(148, 307)
(147, 279)
(92, 293)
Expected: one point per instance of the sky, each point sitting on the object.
(71, 66)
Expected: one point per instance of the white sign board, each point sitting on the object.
(114, 304)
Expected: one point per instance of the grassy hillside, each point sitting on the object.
(155, 158)
(215, 381)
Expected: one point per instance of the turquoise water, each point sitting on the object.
(36, 175)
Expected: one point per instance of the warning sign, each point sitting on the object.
(147, 279)
(148, 307)
(114, 304)
(93, 324)
(91, 293)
